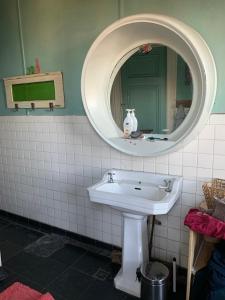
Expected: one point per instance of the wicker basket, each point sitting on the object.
(212, 190)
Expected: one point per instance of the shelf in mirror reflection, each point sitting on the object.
(134, 146)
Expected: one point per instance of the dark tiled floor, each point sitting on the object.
(71, 273)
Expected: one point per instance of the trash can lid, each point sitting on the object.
(155, 272)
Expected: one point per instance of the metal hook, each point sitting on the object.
(16, 107)
(51, 106)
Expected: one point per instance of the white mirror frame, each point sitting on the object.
(114, 46)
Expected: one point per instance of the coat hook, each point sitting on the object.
(50, 106)
(32, 106)
(16, 106)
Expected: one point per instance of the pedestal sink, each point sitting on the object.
(136, 195)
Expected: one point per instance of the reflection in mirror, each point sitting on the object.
(157, 83)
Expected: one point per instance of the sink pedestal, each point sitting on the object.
(136, 195)
(135, 253)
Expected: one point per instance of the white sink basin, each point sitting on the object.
(137, 192)
(136, 195)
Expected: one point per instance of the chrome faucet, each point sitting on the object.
(168, 185)
(110, 177)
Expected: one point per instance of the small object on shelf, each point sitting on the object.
(134, 120)
(30, 70)
(212, 190)
(145, 48)
(37, 66)
(128, 124)
(165, 130)
(136, 134)
(152, 138)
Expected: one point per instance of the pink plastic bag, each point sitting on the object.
(205, 224)
(19, 291)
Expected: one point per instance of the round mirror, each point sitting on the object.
(157, 83)
(158, 66)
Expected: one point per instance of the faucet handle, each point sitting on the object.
(110, 177)
(168, 185)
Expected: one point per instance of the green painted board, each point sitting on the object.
(34, 91)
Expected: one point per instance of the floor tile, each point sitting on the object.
(129, 297)
(3, 223)
(56, 296)
(68, 255)
(179, 295)
(106, 290)
(113, 269)
(71, 285)
(12, 277)
(90, 263)
(71, 273)
(8, 250)
(20, 235)
(38, 269)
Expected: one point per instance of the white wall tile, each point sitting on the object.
(161, 231)
(217, 119)
(175, 210)
(184, 261)
(205, 160)
(219, 132)
(204, 173)
(190, 159)
(219, 173)
(219, 162)
(176, 170)
(188, 199)
(174, 222)
(175, 158)
(192, 147)
(173, 234)
(219, 147)
(189, 173)
(189, 186)
(207, 133)
(206, 146)
(48, 162)
(161, 168)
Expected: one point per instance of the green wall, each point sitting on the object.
(60, 32)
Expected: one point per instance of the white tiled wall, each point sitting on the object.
(46, 164)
